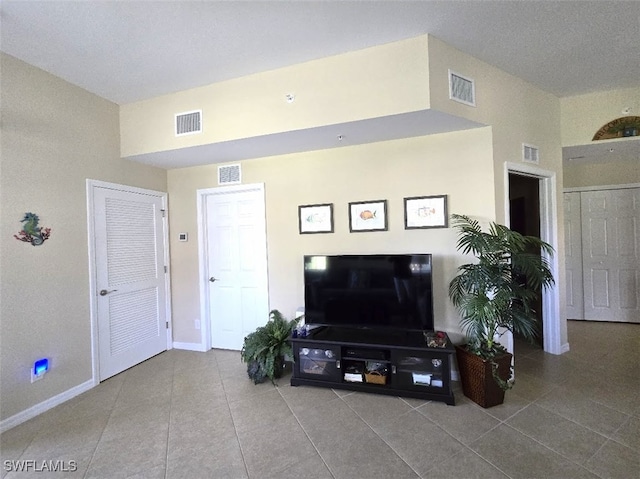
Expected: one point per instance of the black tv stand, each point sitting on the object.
(393, 362)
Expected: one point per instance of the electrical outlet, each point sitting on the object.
(197, 323)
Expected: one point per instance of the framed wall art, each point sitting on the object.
(315, 218)
(425, 212)
(368, 216)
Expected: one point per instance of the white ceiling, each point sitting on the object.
(127, 51)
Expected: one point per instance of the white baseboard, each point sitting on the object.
(189, 346)
(44, 406)
(564, 348)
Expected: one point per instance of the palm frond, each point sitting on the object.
(499, 289)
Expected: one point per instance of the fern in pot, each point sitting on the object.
(494, 294)
(265, 349)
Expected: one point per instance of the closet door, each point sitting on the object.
(611, 254)
(573, 255)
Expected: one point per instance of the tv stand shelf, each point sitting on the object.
(397, 363)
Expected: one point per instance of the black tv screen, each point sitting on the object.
(391, 291)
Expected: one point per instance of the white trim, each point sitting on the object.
(549, 233)
(201, 196)
(565, 348)
(188, 346)
(577, 189)
(93, 309)
(44, 406)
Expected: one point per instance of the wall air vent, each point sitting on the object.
(188, 123)
(229, 174)
(530, 153)
(462, 89)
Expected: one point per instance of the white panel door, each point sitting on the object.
(236, 265)
(131, 290)
(611, 254)
(573, 255)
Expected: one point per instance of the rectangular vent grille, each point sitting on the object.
(229, 174)
(189, 123)
(462, 89)
(530, 153)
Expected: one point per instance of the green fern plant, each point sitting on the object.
(264, 349)
(499, 290)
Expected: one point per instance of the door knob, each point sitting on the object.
(212, 279)
(104, 292)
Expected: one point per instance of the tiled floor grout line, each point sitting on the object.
(381, 438)
(584, 425)
(554, 451)
(113, 408)
(235, 429)
(166, 457)
(307, 434)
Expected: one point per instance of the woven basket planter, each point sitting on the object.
(477, 379)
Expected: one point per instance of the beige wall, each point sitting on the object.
(54, 137)
(369, 83)
(621, 172)
(584, 115)
(459, 165)
(517, 112)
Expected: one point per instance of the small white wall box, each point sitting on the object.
(183, 237)
(40, 367)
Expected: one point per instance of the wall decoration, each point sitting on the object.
(315, 218)
(425, 212)
(622, 127)
(31, 232)
(368, 216)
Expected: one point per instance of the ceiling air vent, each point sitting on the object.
(229, 174)
(188, 123)
(530, 153)
(462, 89)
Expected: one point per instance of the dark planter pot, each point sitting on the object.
(278, 367)
(477, 379)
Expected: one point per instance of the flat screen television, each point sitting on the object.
(377, 291)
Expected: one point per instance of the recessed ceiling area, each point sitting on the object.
(406, 125)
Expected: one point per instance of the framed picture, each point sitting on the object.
(368, 216)
(315, 218)
(425, 212)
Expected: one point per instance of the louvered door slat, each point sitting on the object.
(130, 278)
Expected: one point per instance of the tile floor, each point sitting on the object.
(197, 415)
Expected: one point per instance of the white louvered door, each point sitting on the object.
(131, 289)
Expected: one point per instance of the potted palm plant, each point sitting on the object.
(495, 294)
(265, 349)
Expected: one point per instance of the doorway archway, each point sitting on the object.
(552, 322)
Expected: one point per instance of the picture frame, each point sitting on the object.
(368, 216)
(315, 218)
(425, 212)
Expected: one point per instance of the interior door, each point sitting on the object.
(611, 254)
(131, 294)
(573, 255)
(236, 261)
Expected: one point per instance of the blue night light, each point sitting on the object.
(40, 367)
